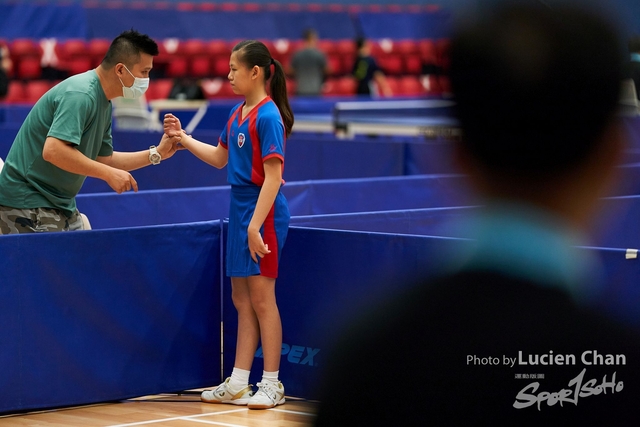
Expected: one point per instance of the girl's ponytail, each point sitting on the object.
(279, 95)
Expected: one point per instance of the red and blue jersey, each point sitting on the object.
(252, 140)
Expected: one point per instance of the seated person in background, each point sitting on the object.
(309, 66)
(5, 70)
(186, 88)
(367, 72)
(508, 335)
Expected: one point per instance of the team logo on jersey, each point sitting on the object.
(240, 140)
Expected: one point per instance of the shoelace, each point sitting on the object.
(268, 389)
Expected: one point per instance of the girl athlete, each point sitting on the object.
(252, 143)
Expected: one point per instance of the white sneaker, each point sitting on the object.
(223, 394)
(268, 395)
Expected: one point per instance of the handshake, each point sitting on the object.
(173, 138)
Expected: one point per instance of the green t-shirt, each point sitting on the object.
(75, 111)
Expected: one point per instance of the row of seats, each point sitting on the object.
(28, 92)
(208, 6)
(71, 56)
(210, 58)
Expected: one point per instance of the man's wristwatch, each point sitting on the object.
(154, 156)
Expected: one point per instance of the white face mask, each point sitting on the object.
(137, 89)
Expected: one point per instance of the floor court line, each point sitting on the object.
(214, 423)
(310, 414)
(183, 417)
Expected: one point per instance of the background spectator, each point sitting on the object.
(309, 66)
(5, 69)
(367, 72)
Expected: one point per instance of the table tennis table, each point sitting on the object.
(426, 118)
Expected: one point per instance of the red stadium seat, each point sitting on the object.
(159, 89)
(412, 64)
(220, 67)
(391, 64)
(190, 58)
(410, 54)
(339, 86)
(28, 68)
(71, 48)
(218, 47)
(442, 50)
(377, 51)
(97, 49)
(15, 94)
(445, 85)
(282, 50)
(29, 52)
(328, 47)
(178, 67)
(336, 65)
(200, 66)
(33, 90)
(72, 56)
(166, 53)
(345, 47)
(405, 47)
(78, 65)
(410, 86)
(23, 48)
(428, 52)
(191, 47)
(431, 84)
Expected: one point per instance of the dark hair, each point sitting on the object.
(252, 53)
(360, 41)
(126, 48)
(535, 87)
(309, 34)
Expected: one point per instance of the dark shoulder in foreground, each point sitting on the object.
(479, 348)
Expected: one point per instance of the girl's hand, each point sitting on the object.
(172, 126)
(257, 248)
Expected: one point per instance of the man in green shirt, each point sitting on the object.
(67, 137)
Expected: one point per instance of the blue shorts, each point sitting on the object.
(274, 233)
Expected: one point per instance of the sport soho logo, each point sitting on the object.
(577, 388)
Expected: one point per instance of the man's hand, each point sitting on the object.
(169, 145)
(121, 181)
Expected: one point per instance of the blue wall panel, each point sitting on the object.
(105, 315)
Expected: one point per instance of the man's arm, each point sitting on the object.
(68, 158)
(138, 159)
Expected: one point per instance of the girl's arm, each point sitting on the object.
(215, 155)
(268, 193)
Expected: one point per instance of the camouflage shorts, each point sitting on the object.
(14, 221)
